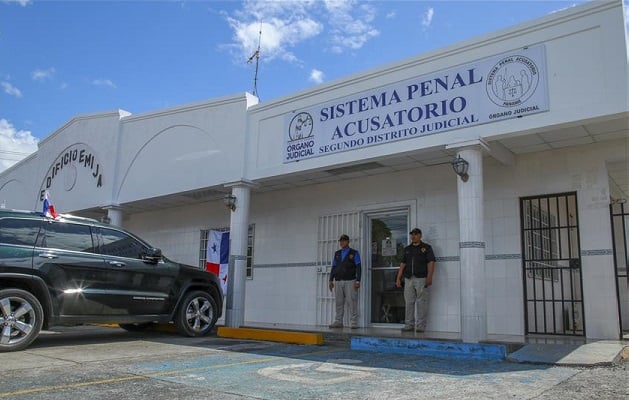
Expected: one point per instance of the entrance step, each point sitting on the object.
(430, 347)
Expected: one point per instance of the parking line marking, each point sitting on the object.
(146, 376)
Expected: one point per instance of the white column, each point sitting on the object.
(472, 249)
(472, 246)
(114, 214)
(237, 273)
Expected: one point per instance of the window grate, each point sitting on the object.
(551, 263)
(329, 230)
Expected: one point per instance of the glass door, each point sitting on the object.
(389, 236)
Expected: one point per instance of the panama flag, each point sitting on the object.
(218, 256)
(49, 209)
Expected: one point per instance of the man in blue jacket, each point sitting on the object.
(345, 281)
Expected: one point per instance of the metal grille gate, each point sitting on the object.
(551, 264)
(330, 229)
(620, 235)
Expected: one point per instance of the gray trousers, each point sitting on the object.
(416, 297)
(346, 294)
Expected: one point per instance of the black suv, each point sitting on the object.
(72, 271)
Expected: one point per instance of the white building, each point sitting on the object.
(527, 245)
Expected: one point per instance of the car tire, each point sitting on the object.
(139, 327)
(197, 314)
(21, 319)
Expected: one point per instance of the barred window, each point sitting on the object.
(205, 233)
(540, 241)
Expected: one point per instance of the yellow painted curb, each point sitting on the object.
(271, 335)
(106, 325)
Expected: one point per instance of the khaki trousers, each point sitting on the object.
(416, 297)
(346, 294)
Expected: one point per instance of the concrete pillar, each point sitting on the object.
(114, 214)
(237, 272)
(472, 245)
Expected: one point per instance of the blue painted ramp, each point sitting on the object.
(430, 347)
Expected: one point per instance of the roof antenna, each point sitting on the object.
(256, 55)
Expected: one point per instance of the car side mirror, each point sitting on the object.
(152, 255)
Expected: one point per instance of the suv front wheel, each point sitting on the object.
(197, 314)
(21, 319)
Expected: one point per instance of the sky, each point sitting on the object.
(61, 59)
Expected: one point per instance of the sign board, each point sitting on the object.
(505, 86)
(388, 248)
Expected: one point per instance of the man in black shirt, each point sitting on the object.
(417, 268)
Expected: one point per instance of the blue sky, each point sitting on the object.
(59, 59)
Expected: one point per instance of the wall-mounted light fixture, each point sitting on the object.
(230, 201)
(460, 166)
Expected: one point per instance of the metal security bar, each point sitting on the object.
(330, 229)
(619, 213)
(551, 265)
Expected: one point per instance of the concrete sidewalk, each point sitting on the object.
(599, 353)
(568, 353)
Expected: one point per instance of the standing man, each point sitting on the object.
(345, 281)
(417, 268)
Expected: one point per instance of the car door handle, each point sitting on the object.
(48, 256)
(117, 263)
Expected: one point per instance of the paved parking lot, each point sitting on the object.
(108, 363)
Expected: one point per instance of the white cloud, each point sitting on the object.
(14, 144)
(316, 76)
(282, 26)
(10, 89)
(42, 74)
(427, 17)
(103, 82)
(277, 37)
(286, 24)
(350, 24)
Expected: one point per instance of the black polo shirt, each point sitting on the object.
(416, 259)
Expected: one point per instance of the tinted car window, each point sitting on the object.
(66, 236)
(19, 231)
(116, 243)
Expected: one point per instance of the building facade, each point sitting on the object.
(530, 239)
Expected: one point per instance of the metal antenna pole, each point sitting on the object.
(256, 55)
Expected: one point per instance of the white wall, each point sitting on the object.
(181, 149)
(74, 185)
(283, 288)
(579, 169)
(16, 187)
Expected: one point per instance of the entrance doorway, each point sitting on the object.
(388, 235)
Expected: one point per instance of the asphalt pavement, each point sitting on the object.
(109, 363)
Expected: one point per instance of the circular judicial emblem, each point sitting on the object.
(512, 81)
(300, 126)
